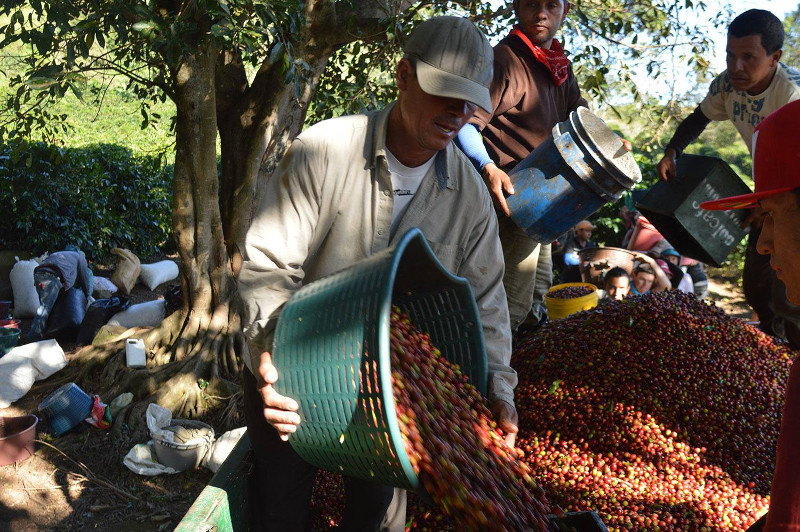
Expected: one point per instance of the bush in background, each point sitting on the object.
(96, 197)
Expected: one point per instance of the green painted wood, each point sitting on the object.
(222, 506)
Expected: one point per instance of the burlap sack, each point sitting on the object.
(128, 269)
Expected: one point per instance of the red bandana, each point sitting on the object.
(554, 58)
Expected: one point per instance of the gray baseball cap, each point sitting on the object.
(454, 59)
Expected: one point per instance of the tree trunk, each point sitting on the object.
(194, 358)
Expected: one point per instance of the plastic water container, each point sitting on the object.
(568, 177)
(135, 356)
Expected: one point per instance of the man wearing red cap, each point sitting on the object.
(754, 85)
(776, 172)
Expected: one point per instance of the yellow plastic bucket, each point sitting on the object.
(560, 308)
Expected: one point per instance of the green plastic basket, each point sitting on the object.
(333, 335)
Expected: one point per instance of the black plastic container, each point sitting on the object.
(673, 207)
(576, 522)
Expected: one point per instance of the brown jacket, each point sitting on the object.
(527, 103)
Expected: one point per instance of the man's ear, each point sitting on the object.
(402, 73)
(566, 10)
(776, 56)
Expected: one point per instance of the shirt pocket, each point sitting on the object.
(450, 255)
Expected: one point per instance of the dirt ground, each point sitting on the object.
(77, 481)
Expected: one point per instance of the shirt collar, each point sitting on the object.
(375, 152)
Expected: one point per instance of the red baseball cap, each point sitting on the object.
(776, 159)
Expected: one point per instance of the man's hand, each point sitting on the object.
(626, 144)
(279, 411)
(666, 166)
(499, 185)
(507, 419)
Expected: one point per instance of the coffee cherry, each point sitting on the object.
(570, 292)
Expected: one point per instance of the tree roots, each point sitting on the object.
(193, 368)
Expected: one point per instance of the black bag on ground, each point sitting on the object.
(67, 315)
(98, 314)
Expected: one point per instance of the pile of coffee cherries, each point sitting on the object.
(660, 412)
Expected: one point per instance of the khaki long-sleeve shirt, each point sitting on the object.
(329, 205)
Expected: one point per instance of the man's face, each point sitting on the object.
(618, 287)
(643, 281)
(780, 238)
(427, 123)
(584, 234)
(750, 68)
(540, 19)
(673, 259)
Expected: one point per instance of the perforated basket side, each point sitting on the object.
(331, 349)
(66, 407)
(442, 305)
(327, 350)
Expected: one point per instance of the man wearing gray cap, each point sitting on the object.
(350, 187)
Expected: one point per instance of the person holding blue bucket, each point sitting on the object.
(533, 89)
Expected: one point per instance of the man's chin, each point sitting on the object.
(740, 86)
(539, 37)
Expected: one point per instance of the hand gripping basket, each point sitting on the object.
(331, 350)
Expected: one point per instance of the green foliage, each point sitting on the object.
(791, 45)
(358, 78)
(95, 198)
(64, 43)
(612, 41)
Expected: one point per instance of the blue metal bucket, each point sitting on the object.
(569, 176)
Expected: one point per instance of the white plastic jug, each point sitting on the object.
(134, 353)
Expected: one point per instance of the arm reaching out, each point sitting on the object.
(499, 185)
(662, 281)
(507, 419)
(497, 181)
(666, 166)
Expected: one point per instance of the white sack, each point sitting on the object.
(160, 272)
(46, 356)
(221, 448)
(148, 314)
(16, 378)
(103, 288)
(26, 299)
(24, 364)
(141, 459)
